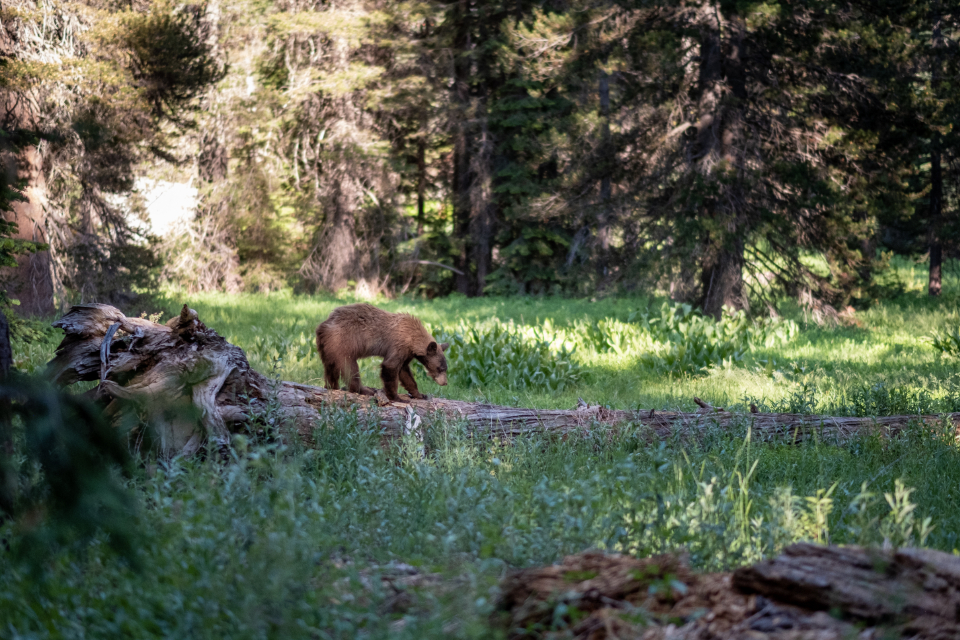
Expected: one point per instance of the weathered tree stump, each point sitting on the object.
(197, 387)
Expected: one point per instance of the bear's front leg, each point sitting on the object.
(406, 379)
(389, 373)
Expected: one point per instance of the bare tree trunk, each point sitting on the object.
(340, 248)
(722, 278)
(212, 161)
(196, 388)
(34, 281)
(482, 208)
(421, 184)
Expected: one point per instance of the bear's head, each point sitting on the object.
(435, 363)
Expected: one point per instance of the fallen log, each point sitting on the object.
(198, 388)
(872, 585)
(809, 592)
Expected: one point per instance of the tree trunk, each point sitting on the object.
(212, 161)
(718, 154)
(936, 172)
(421, 183)
(482, 206)
(175, 372)
(462, 179)
(340, 249)
(9, 481)
(603, 219)
(34, 282)
(722, 278)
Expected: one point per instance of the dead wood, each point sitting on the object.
(917, 587)
(186, 365)
(869, 593)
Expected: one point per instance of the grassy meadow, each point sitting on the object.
(825, 369)
(282, 541)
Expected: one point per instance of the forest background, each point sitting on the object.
(725, 153)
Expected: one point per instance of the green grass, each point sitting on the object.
(288, 542)
(826, 366)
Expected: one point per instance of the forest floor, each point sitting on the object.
(352, 540)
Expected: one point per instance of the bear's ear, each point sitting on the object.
(432, 349)
(444, 346)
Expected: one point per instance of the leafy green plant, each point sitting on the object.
(900, 527)
(502, 354)
(947, 343)
(268, 347)
(881, 399)
(608, 336)
(689, 343)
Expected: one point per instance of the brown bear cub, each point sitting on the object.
(361, 331)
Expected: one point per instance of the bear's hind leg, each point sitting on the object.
(408, 382)
(354, 385)
(331, 374)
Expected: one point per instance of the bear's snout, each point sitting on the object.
(442, 379)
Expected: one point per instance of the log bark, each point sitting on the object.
(869, 593)
(183, 365)
(919, 587)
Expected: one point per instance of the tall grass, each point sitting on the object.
(289, 542)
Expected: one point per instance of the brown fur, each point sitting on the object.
(361, 331)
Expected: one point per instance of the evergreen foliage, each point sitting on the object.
(727, 153)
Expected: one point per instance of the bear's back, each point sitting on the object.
(366, 330)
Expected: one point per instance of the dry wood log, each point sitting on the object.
(917, 587)
(870, 593)
(183, 364)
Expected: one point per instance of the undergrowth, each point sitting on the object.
(511, 357)
(289, 541)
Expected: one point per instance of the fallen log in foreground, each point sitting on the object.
(196, 387)
(809, 592)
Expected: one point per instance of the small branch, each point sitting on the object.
(706, 405)
(436, 264)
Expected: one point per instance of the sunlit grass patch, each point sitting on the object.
(629, 352)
